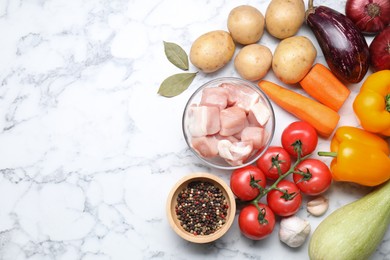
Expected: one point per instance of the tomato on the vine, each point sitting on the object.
(299, 133)
(273, 156)
(314, 177)
(255, 224)
(245, 182)
(286, 199)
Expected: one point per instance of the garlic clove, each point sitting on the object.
(318, 206)
(294, 231)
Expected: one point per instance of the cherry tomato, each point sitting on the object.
(240, 182)
(273, 156)
(316, 176)
(299, 131)
(285, 204)
(251, 226)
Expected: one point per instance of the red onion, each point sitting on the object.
(370, 16)
(380, 51)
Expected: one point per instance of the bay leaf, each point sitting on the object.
(176, 55)
(176, 84)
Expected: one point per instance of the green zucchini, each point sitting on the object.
(355, 230)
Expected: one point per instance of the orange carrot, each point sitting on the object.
(321, 117)
(324, 86)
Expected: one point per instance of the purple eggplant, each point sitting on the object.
(343, 45)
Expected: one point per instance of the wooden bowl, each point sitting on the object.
(172, 202)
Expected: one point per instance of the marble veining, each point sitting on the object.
(89, 151)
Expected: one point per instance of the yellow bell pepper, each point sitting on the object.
(372, 104)
(359, 156)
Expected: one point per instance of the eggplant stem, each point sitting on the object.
(310, 9)
(310, 4)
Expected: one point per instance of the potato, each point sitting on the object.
(253, 61)
(293, 58)
(246, 24)
(283, 18)
(211, 51)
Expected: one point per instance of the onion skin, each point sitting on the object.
(370, 16)
(343, 45)
(380, 51)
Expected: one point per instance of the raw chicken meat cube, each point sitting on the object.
(254, 134)
(232, 120)
(206, 146)
(241, 96)
(215, 97)
(260, 112)
(203, 120)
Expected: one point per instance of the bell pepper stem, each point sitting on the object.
(328, 154)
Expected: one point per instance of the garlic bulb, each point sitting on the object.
(294, 231)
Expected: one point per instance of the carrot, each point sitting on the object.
(321, 117)
(324, 86)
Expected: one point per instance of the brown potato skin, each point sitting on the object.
(253, 61)
(211, 51)
(283, 18)
(246, 24)
(293, 58)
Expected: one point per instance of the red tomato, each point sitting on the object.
(283, 204)
(317, 177)
(250, 225)
(240, 182)
(299, 131)
(273, 156)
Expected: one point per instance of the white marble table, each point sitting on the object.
(89, 151)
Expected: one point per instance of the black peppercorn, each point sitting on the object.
(201, 208)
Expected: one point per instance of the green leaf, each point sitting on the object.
(176, 55)
(176, 84)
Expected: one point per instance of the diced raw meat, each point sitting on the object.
(247, 100)
(252, 119)
(232, 121)
(232, 93)
(203, 120)
(265, 136)
(231, 138)
(224, 149)
(215, 97)
(206, 146)
(234, 153)
(254, 134)
(246, 124)
(241, 96)
(260, 112)
(240, 152)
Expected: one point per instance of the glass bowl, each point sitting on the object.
(228, 123)
(228, 201)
